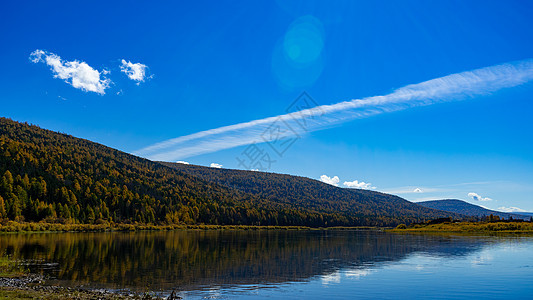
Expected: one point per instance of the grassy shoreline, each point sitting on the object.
(15, 227)
(469, 227)
(455, 227)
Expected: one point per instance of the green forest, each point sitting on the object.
(52, 177)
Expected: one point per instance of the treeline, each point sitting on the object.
(53, 177)
(496, 218)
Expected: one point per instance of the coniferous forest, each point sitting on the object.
(57, 178)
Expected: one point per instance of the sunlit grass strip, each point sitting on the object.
(501, 227)
(14, 227)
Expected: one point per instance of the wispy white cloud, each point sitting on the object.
(215, 165)
(412, 190)
(134, 71)
(477, 197)
(452, 87)
(182, 162)
(76, 73)
(359, 185)
(510, 209)
(330, 180)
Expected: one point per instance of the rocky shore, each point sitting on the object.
(32, 287)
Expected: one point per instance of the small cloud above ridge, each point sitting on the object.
(511, 209)
(330, 180)
(477, 197)
(359, 185)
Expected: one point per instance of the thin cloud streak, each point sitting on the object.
(448, 88)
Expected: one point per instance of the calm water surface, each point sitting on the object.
(283, 264)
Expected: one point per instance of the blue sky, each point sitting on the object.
(210, 64)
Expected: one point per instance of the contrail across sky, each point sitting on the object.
(452, 87)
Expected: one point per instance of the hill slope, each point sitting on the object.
(55, 177)
(362, 206)
(465, 208)
(46, 175)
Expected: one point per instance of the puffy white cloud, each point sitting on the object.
(330, 180)
(417, 190)
(135, 72)
(78, 74)
(182, 162)
(359, 185)
(510, 209)
(215, 165)
(477, 197)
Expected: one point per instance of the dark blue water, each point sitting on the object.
(284, 264)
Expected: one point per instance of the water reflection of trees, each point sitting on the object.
(185, 259)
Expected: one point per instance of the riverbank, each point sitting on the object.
(61, 293)
(15, 227)
(57, 227)
(470, 227)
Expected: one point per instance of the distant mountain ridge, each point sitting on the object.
(468, 209)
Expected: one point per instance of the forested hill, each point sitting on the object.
(56, 177)
(465, 208)
(360, 206)
(53, 177)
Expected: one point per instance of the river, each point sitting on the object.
(288, 264)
